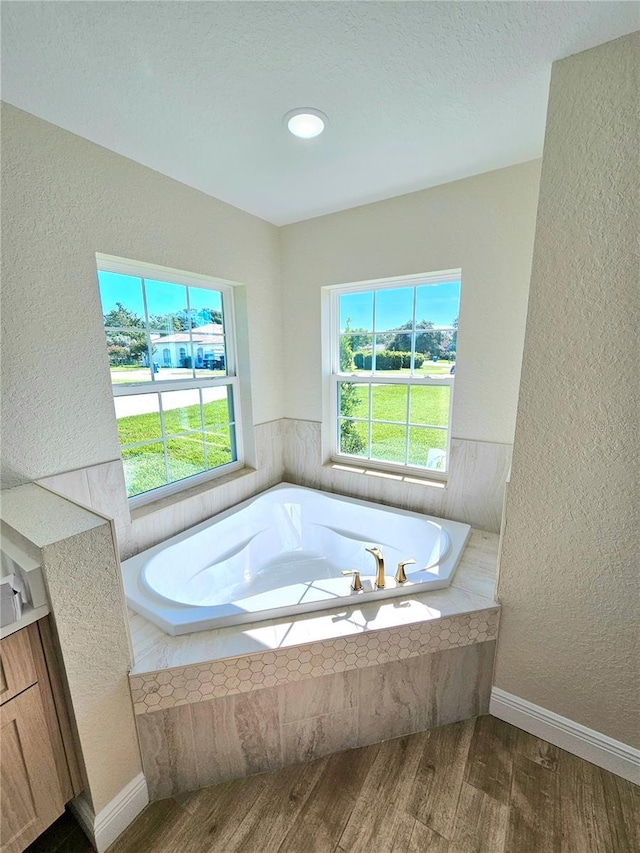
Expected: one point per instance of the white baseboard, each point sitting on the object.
(593, 746)
(103, 828)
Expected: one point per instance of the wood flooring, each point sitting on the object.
(479, 786)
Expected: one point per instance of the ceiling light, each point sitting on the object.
(305, 122)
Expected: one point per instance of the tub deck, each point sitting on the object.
(472, 590)
(281, 553)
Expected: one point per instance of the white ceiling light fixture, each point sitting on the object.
(305, 122)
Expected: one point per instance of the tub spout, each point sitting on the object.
(377, 553)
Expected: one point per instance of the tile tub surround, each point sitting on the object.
(291, 450)
(473, 494)
(197, 744)
(101, 488)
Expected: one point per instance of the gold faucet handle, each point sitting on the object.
(356, 586)
(400, 575)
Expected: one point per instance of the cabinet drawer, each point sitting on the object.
(31, 798)
(17, 667)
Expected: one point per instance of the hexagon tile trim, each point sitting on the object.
(162, 689)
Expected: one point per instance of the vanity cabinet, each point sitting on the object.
(38, 768)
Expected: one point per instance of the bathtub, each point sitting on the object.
(281, 553)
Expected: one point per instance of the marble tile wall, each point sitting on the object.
(474, 492)
(291, 450)
(197, 744)
(101, 488)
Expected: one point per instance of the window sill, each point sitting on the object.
(380, 473)
(186, 494)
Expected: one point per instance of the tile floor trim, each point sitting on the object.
(168, 688)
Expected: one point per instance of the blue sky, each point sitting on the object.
(162, 297)
(438, 303)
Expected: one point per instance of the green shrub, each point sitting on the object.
(396, 360)
(387, 360)
(350, 440)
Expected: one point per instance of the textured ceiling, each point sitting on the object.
(417, 93)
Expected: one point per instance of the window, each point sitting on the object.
(170, 342)
(392, 371)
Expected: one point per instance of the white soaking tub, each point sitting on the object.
(282, 552)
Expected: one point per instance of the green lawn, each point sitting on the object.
(429, 368)
(429, 407)
(192, 453)
(121, 373)
(188, 454)
(127, 373)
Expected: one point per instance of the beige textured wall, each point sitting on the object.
(568, 576)
(63, 199)
(484, 225)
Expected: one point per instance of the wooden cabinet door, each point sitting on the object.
(17, 667)
(30, 798)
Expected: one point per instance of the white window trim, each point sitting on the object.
(139, 269)
(332, 375)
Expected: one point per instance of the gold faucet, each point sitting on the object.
(400, 575)
(356, 586)
(377, 553)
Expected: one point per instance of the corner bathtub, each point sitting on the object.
(282, 553)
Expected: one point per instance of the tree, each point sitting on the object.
(125, 345)
(361, 340)
(350, 440)
(427, 342)
(121, 316)
(346, 350)
(167, 323)
(204, 316)
(448, 342)
(178, 321)
(117, 354)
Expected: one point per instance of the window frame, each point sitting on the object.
(333, 376)
(139, 269)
